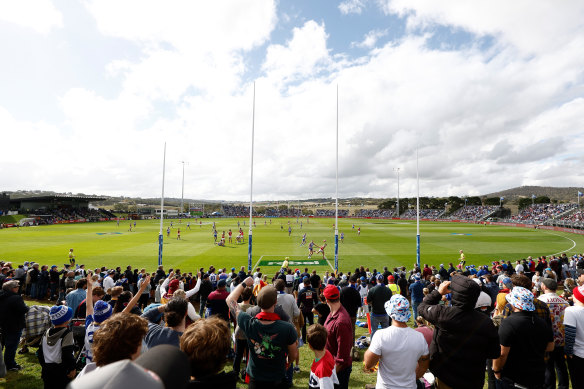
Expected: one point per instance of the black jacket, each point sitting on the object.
(464, 338)
(12, 311)
(351, 300)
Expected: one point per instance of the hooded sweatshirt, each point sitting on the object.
(12, 311)
(464, 338)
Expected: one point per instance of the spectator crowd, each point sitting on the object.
(443, 327)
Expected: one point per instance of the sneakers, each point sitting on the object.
(15, 368)
(296, 369)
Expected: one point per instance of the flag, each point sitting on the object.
(580, 194)
(502, 198)
(532, 196)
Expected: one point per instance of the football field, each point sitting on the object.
(381, 243)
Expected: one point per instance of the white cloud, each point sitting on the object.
(302, 56)
(351, 6)
(483, 119)
(370, 39)
(39, 15)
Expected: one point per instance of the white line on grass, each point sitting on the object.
(329, 262)
(257, 263)
(565, 237)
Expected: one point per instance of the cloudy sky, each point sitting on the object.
(491, 92)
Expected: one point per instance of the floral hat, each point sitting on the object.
(398, 308)
(521, 298)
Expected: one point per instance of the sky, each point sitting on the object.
(489, 95)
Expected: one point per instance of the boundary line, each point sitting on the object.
(561, 236)
(329, 262)
(257, 263)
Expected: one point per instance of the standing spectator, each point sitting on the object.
(78, 295)
(33, 278)
(43, 283)
(351, 300)
(557, 360)
(322, 371)
(56, 350)
(143, 301)
(240, 338)
(175, 313)
(402, 283)
(207, 343)
(204, 292)
(268, 338)
(416, 293)
(216, 302)
(12, 312)
(54, 282)
(464, 338)
(307, 299)
(108, 282)
(376, 298)
(574, 326)
(339, 340)
(402, 352)
(525, 338)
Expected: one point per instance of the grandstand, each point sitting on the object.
(424, 214)
(60, 209)
(474, 212)
(374, 213)
(543, 213)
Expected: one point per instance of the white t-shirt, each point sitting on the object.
(574, 316)
(400, 349)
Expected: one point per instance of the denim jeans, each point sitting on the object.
(33, 290)
(202, 308)
(53, 287)
(415, 308)
(42, 290)
(376, 320)
(556, 363)
(11, 340)
(308, 321)
(344, 376)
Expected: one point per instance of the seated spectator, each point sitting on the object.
(207, 343)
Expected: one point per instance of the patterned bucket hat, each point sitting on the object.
(521, 298)
(398, 308)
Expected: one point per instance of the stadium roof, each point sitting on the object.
(56, 198)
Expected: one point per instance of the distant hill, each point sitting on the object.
(564, 195)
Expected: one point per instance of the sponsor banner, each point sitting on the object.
(292, 263)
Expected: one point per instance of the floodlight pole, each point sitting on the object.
(160, 235)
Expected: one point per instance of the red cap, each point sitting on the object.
(331, 292)
(390, 278)
(173, 286)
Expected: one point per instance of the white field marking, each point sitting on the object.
(257, 263)
(561, 236)
(280, 256)
(329, 262)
